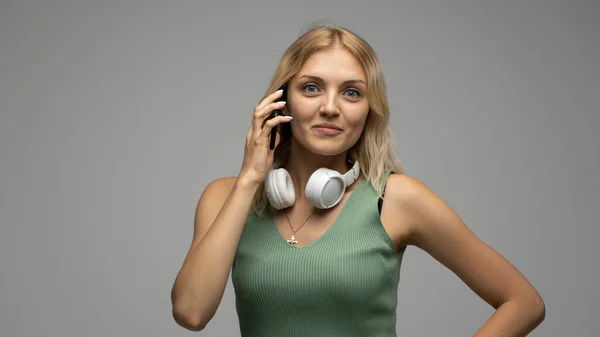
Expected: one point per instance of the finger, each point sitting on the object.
(263, 107)
(269, 99)
(266, 130)
(267, 109)
(257, 120)
(262, 115)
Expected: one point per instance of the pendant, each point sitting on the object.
(292, 241)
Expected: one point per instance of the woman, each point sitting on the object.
(315, 230)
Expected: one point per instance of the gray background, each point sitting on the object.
(116, 115)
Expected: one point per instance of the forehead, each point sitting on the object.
(333, 64)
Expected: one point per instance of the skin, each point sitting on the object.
(329, 88)
(412, 214)
(319, 94)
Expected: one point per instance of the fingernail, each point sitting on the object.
(278, 91)
(282, 102)
(288, 117)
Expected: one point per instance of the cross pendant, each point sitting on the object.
(292, 240)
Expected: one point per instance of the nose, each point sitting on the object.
(330, 106)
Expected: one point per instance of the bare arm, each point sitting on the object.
(219, 220)
(438, 230)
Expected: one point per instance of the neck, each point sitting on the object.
(301, 163)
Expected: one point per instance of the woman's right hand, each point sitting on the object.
(258, 158)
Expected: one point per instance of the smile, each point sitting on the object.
(326, 130)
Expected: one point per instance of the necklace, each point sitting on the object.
(293, 240)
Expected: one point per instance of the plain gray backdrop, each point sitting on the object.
(116, 114)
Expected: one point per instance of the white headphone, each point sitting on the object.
(324, 189)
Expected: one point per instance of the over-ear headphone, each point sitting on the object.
(325, 187)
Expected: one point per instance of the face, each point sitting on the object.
(328, 100)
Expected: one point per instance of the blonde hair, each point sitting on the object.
(374, 149)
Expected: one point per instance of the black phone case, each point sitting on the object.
(275, 114)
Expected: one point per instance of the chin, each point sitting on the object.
(326, 147)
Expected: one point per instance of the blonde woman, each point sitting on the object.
(314, 231)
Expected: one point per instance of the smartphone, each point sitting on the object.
(275, 114)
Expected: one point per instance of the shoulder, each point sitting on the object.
(411, 202)
(401, 185)
(406, 192)
(221, 184)
(218, 189)
(215, 193)
(210, 203)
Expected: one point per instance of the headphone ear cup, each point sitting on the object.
(280, 188)
(325, 188)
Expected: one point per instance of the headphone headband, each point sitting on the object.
(352, 175)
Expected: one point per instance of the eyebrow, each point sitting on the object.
(317, 78)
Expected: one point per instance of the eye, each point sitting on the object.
(353, 93)
(311, 88)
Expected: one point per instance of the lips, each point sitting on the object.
(328, 126)
(327, 129)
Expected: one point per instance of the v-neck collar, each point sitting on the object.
(282, 240)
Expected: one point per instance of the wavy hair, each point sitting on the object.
(375, 148)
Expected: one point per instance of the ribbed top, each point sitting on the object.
(342, 284)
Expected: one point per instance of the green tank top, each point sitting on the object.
(342, 284)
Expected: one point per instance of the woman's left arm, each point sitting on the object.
(439, 231)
